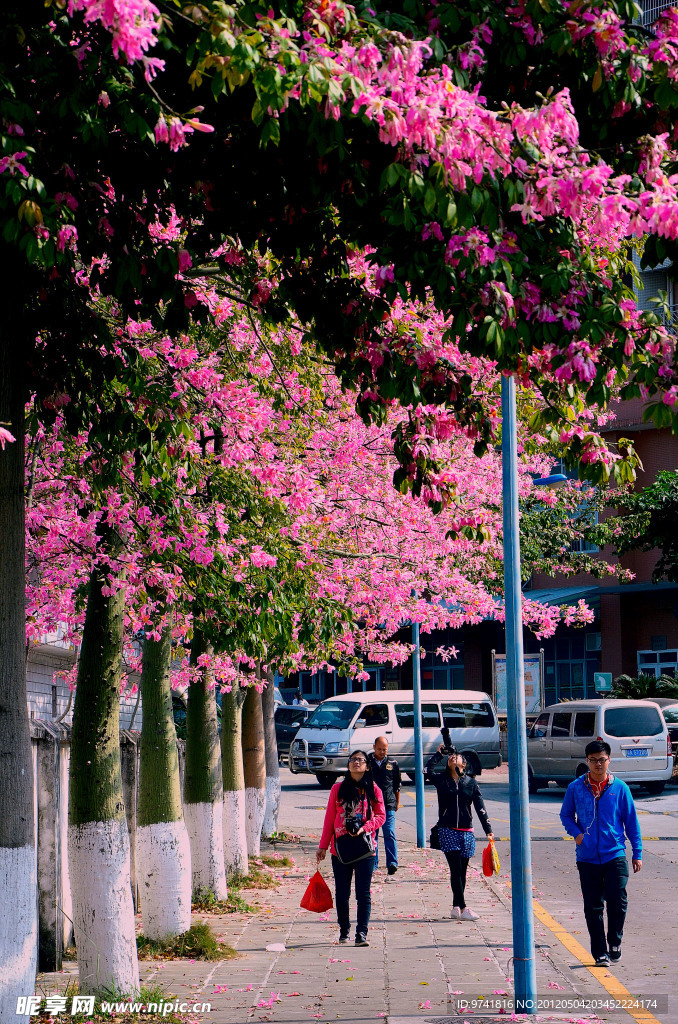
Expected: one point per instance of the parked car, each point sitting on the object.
(287, 722)
(179, 712)
(669, 709)
(353, 721)
(635, 729)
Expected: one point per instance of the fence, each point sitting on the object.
(51, 746)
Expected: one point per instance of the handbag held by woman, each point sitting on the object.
(351, 848)
(434, 838)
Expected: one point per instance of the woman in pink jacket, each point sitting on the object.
(357, 799)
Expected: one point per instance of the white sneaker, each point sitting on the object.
(455, 913)
(468, 915)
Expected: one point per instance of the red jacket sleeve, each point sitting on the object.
(378, 812)
(330, 816)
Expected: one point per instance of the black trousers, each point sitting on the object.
(458, 866)
(343, 876)
(604, 883)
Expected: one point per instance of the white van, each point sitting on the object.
(635, 730)
(354, 720)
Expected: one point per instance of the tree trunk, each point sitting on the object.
(272, 763)
(235, 817)
(203, 790)
(254, 763)
(98, 840)
(19, 922)
(163, 846)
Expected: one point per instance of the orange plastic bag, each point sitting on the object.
(490, 859)
(317, 896)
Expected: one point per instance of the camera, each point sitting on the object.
(449, 747)
(353, 823)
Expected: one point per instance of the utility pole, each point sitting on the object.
(525, 983)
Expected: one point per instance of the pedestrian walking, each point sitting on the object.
(355, 808)
(599, 813)
(457, 793)
(386, 773)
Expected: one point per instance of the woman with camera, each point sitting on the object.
(456, 793)
(355, 810)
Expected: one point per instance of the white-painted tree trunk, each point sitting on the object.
(18, 927)
(272, 764)
(235, 832)
(255, 808)
(272, 805)
(204, 822)
(103, 913)
(164, 877)
(254, 767)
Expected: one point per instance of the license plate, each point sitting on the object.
(637, 752)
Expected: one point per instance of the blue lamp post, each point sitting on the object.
(418, 745)
(525, 982)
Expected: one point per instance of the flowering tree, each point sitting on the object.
(394, 139)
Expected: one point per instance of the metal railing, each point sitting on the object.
(652, 9)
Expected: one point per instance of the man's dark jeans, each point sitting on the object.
(343, 874)
(604, 883)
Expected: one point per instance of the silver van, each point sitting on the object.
(635, 730)
(354, 720)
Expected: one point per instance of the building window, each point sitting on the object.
(569, 666)
(438, 674)
(584, 511)
(658, 663)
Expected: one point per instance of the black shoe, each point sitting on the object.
(361, 939)
(603, 960)
(392, 868)
(615, 954)
(343, 937)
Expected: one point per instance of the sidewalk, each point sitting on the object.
(418, 964)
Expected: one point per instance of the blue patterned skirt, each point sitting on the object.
(457, 839)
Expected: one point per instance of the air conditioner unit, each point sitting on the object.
(593, 641)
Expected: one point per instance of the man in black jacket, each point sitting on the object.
(386, 774)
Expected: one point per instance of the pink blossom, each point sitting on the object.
(5, 436)
(12, 163)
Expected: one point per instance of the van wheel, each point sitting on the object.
(581, 770)
(655, 788)
(326, 779)
(533, 784)
(411, 776)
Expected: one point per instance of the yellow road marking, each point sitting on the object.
(507, 821)
(608, 981)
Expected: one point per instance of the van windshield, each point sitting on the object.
(333, 714)
(643, 721)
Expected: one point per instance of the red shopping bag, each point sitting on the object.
(317, 896)
(490, 859)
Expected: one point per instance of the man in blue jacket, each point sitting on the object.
(598, 812)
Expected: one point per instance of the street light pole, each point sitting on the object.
(418, 745)
(525, 984)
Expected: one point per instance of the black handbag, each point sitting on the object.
(351, 849)
(434, 838)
